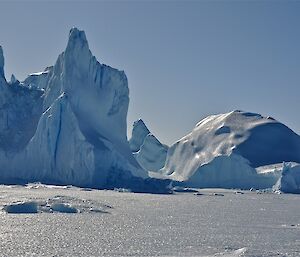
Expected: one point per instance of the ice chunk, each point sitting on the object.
(289, 182)
(64, 208)
(21, 207)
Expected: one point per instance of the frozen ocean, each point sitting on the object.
(39, 220)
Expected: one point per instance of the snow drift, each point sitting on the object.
(149, 152)
(67, 124)
(225, 150)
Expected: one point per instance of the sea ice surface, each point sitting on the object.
(111, 223)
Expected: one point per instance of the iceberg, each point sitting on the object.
(67, 124)
(227, 150)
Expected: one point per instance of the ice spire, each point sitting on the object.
(13, 79)
(139, 133)
(77, 47)
(77, 55)
(76, 36)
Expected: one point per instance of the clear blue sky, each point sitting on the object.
(184, 59)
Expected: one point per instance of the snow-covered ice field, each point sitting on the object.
(109, 223)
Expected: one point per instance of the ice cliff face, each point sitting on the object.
(149, 152)
(1, 63)
(224, 150)
(67, 124)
